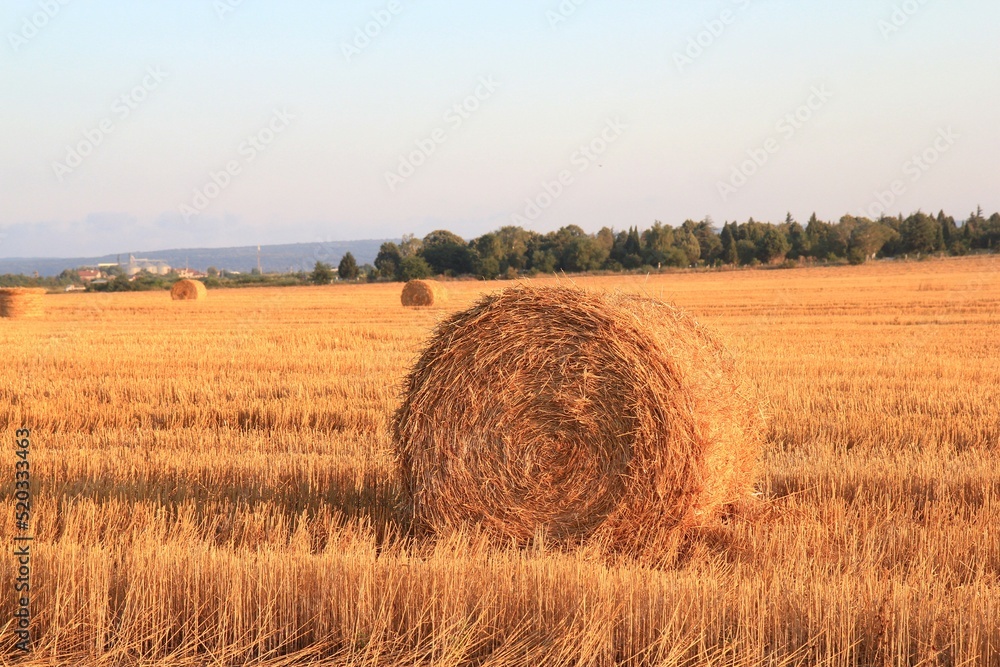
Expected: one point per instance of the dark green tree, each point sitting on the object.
(388, 261)
(674, 256)
(515, 243)
(687, 242)
(773, 246)
(68, 276)
(747, 251)
(414, 267)
(488, 268)
(448, 253)
(656, 243)
(633, 244)
(322, 274)
(797, 238)
(949, 230)
(708, 239)
(867, 239)
(584, 253)
(348, 267)
(921, 234)
(991, 234)
(489, 255)
(606, 238)
(816, 240)
(543, 260)
(728, 242)
(620, 255)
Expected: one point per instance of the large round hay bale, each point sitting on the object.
(188, 290)
(423, 293)
(18, 302)
(551, 410)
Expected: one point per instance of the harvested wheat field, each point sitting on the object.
(236, 499)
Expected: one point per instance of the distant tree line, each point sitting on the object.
(67, 277)
(114, 280)
(513, 251)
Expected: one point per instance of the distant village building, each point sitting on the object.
(86, 275)
(190, 273)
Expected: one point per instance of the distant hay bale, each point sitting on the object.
(423, 293)
(19, 302)
(188, 290)
(578, 415)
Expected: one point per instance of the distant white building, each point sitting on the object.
(190, 273)
(137, 265)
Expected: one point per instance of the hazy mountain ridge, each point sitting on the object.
(273, 258)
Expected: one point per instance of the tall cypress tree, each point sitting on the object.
(729, 254)
(633, 246)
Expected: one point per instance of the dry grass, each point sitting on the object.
(20, 302)
(188, 290)
(557, 412)
(417, 293)
(233, 499)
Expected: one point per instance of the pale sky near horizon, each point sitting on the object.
(116, 115)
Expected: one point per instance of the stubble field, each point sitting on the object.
(214, 484)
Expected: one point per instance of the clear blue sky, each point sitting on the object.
(199, 80)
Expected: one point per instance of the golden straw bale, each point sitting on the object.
(18, 302)
(556, 411)
(188, 290)
(423, 293)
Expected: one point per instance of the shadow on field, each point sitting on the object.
(220, 509)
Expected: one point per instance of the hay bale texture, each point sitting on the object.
(576, 414)
(20, 302)
(423, 293)
(188, 290)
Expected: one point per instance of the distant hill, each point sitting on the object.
(273, 258)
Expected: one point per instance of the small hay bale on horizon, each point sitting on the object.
(420, 293)
(580, 416)
(22, 302)
(188, 290)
